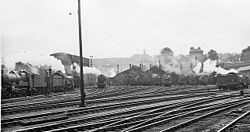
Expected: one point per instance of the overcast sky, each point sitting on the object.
(120, 28)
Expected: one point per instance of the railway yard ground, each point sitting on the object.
(131, 109)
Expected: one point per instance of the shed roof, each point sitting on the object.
(244, 68)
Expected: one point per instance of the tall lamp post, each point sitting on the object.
(81, 58)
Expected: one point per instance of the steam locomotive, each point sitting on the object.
(101, 81)
(22, 83)
(231, 81)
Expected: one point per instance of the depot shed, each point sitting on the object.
(128, 77)
(245, 70)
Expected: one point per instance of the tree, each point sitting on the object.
(167, 52)
(245, 56)
(229, 57)
(212, 55)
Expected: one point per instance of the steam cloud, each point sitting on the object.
(209, 66)
(31, 60)
(181, 64)
(87, 70)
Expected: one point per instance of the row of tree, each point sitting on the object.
(213, 55)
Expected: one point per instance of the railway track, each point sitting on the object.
(97, 91)
(60, 96)
(182, 120)
(121, 113)
(65, 96)
(89, 90)
(110, 109)
(57, 103)
(114, 114)
(121, 104)
(144, 124)
(229, 126)
(75, 94)
(50, 104)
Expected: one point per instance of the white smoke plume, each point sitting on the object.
(33, 60)
(112, 72)
(87, 70)
(197, 68)
(209, 66)
(181, 64)
(170, 64)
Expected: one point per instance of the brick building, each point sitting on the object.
(196, 53)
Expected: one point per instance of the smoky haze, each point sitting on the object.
(118, 28)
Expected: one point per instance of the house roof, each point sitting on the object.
(235, 65)
(244, 68)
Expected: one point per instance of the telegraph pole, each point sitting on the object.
(81, 58)
(117, 69)
(159, 64)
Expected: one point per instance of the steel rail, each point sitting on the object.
(233, 122)
(107, 115)
(182, 115)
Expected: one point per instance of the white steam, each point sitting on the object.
(32, 60)
(197, 68)
(87, 70)
(209, 66)
(112, 73)
(179, 64)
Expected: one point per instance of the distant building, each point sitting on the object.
(196, 53)
(229, 66)
(245, 70)
(141, 57)
(245, 56)
(144, 59)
